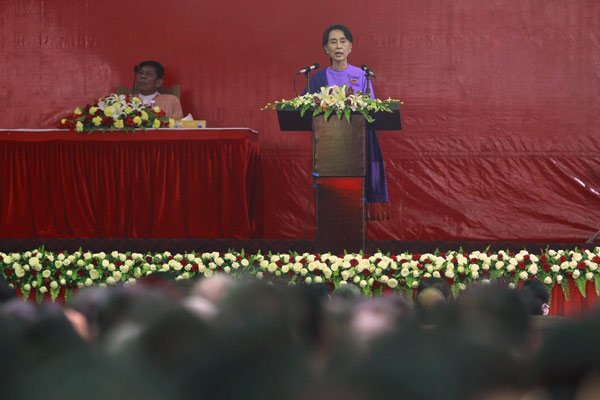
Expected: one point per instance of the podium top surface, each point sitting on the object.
(290, 119)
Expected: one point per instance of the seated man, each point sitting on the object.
(148, 80)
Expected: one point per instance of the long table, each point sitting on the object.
(165, 183)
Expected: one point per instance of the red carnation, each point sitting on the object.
(317, 272)
(33, 273)
(500, 257)
(390, 272)
(569, 274)
(148, 259)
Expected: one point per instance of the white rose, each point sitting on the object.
(235, 265)
(593, 266)
(264, 264)
(416, 273)
(548, 280)
(414, 284)
(110, 280)
(559, 278)
(27, 287)
(449, 274)
(88, 282)
(63, 281)
(303, 271)
(46, 273)
(523, 275)
(392, 283)
(555, 268)
(61, 257)
(69, 273)
(19, 271)
(404, 272)
(510, 268)
(227, 270)
(356, 279)
(53, 285)
(576, 274)
(94, 274)
(384, 279)
(114, 254)
(318, 279)
(475, 274)
(43, 289)
(7, 259)
(272, 267)
(474, 267)
(533, 269)
(209, 272)
(345, 275)
(212, 265)
(436, 274)
(363, 283)
(589, 276)
(460, 269)
(259, 275)
(105, 263)
(116, 275)
(308, 280)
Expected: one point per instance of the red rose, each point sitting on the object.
(393, 257)
(454, 260)
(148, 259)
(402, 282)
(569, 274)
(118, 263)
(596, 259)
(562, 259)
(416, 257)
(94, 262)
(81, 272)
(184, 262)
(195, 268)
(354, 262)
(500, 257)
(317, 272)
(330, 285)
(33, 273)
(420, 266)
(8, 271)
(57, 273)
(255, 262)
(546, 267)
(521, 266)
(443, 254)
(279, 263)
(366, 256)
(402, 261)
(238, 258)
(377, 260)
(543, 258)
(427, 261)
(450, 281)
(581, 265)
(376, 285)
(511, 253)
(513, 272)
(366, 272)
(390, 272)
(291, 273)
(526, 257)
(474, 261)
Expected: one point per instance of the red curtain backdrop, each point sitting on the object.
(501, 99)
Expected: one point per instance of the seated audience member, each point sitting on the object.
(536, 297)
(148, 79)
(436, 283)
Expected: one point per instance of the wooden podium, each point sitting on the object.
(339, 171)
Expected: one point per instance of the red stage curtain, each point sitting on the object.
(155, 184)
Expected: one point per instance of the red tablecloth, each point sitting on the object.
(154, 184)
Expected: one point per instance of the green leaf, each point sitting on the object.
(347, 114)
(565, 287)
(581, 283)
(328, 113)
(305, 109)
(597, 282)
(317, 112)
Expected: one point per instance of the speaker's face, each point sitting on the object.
(147, 81)
(338, 46)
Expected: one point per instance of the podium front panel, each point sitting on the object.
(340, 215)
(339, 146)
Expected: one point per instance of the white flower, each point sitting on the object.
(69, 273)
(272, 267)
(259, 275)
(308, 280)
(345, 275)
(114, 254)
(94, 274)
(318, 279)
(404, 272)
(559, 278)
(245, 262)
(117, 275)
(436, 274)
(363, 283)
(499, 264)
(264, 264)
(414, 284)
(523, 275)
(19, 271)
(110, 280)
(46, 273)
(576, 274)
(43, 289)
(533, 269)
(512, 285)
(589, 276)
(392, 283)
(384, 279)
(416, 273)
(474, 267)
(548, 280)
(227, 270)
(61, 257)
(88, 282)
(356, 279)
(53, 285)
(475, 274)
(449, 274)
(7, 259)
(555, 268)
(27, 287)
(303, 271)
(460, 269)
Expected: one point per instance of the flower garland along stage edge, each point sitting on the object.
(39, 272)
(341, 100)
(116, 112)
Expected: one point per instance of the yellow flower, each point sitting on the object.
(119, 124)
(93, 110)
(144, 116)
(156, 124)
(171, 122)
(136, 100)
(156, 109)
(137, 120)
(78, 111)
(79, 126)
(97, 121)
(128, 110)
(110, 110)
(63, 121)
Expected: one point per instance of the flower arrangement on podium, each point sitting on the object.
(116, 112)
(338, 100)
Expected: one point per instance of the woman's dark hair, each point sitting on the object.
(340, 27)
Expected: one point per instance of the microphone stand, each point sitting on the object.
(307, 75)
(368, 76)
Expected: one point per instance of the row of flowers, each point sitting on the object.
(116, 112)
(338, 100)
(41, 272)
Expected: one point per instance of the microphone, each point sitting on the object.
(309, 68)
(135, 71)
(367, 71)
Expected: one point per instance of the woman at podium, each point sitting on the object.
(337, 44)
